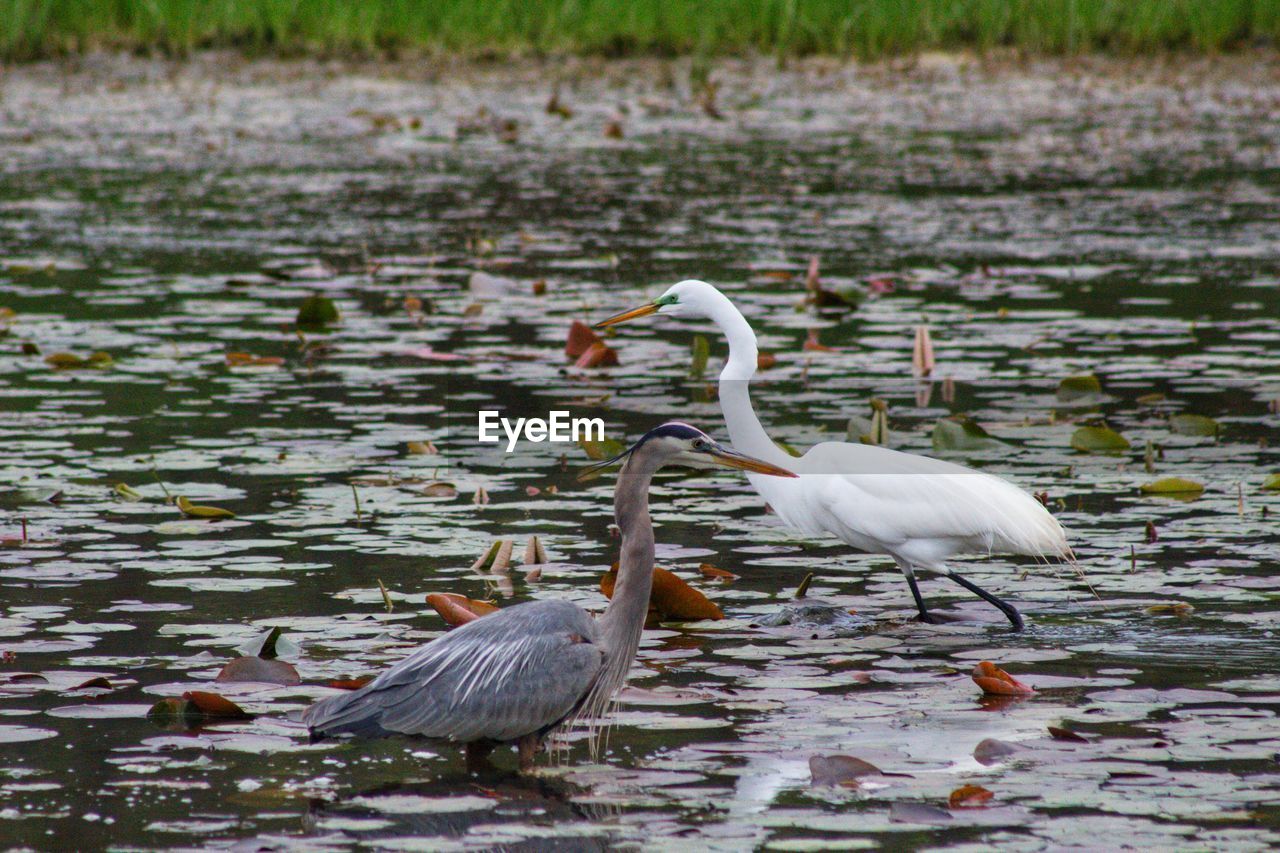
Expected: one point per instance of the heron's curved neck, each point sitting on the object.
(745, 430)
(623, 620)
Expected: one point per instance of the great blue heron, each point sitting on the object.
(519, 673)
(918, 510)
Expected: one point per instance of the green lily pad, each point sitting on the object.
(1174, 486)
(317, 311)
(1098, 439)
(1194, 425)
(1074, 389)
(961, 433)
(701, 352)
(1272, 482)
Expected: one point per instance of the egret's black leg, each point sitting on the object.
(1007, 609)
(915, 591)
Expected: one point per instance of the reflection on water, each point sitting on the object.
(1043, 225)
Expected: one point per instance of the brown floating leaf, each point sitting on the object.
(922, 352)
(97, 683)
(598, 354)
(812, 344)
(168, 710)
(613, 130)
(765, 360)
(534, 553)
(672, 598)
(1177, 608)
(969, 797)
(349, 683)
(712, 573)
(213, 705)
(1060, 733)
(266, 670)
(196, 511)
(24, 678)
(840, 770)
(422, 448)
(458, 609)
(440, 490)
(994, 681)
(991, 751)
(247, 359)
(580, 339)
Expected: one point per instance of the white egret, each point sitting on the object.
(918, 510)
(517, 674)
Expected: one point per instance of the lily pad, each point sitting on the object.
(961, 433)
(1194, 425)
(1098, 439)
(1173, 486)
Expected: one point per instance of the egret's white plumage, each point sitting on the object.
(919, 510)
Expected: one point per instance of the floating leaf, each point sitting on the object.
(269, 645)
(918, 813)
(991, 751)
(1272, 482)
(1154, 398)
(994, 681)
(672, 598)
(1059, 733)
(260, 669)
(214, 705)
(598, 354)
(712, 573)
(1194, 425)
(1098, 439)
(496, 559)
(961, 433)
(167, 711)
(196, 511)
(1079, 388)
(1173, 486)
(96, 683)
(701, 352)
(245, 359)
(127, 493)
(421, 448)
(922, 352)
(969, 797)
(605, 448)
(765, 360)
(534, 553)
(1176, 608)
(581, 337)
(840, 770)
(70, 361)
(457, 609)
(349, 683)
(316, 311)
(812, 344)
(440, 490)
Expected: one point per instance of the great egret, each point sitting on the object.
(918, 510)
(519, 673)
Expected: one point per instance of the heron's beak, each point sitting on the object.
(725, 457)
(642, 311)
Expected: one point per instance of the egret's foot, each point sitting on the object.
(1010, 612)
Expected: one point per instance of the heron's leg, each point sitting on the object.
(477, 752)
(1005, 607)
(529, 745)
(910, 574)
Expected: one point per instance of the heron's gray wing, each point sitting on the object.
(500, 677)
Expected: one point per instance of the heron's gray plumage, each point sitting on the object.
(518, 673)
(513, 673)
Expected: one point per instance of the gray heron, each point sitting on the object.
(516, 675)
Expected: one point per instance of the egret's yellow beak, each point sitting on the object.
(642, 311)
(723, 456)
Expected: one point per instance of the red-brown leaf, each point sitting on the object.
(213, 705)
(458, 609)
(969, 797)
(350, 683)
(994, 681)
(598, 354)
(581, 337)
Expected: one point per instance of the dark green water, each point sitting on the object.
(1043, 225)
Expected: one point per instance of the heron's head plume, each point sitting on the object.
(676, 443)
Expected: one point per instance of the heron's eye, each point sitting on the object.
(699, 444)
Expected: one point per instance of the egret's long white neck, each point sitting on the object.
(745, 430)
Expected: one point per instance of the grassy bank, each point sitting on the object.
(864, 28)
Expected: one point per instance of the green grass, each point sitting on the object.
(31, 29)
